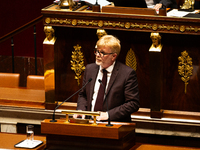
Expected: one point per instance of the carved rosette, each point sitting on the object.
(185, 68)
(77, 62)
(131, 59)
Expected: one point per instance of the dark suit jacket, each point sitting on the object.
(167, 3)
(122, 92)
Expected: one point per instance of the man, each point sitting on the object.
(122, 93)
(157, 4)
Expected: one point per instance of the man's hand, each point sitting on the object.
(103, 116)
(158, 6)
(78, 116)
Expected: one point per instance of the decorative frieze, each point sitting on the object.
(122, 25)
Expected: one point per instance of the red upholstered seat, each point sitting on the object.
(9, 79)
(35, 82)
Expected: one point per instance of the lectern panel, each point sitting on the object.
(88, 136)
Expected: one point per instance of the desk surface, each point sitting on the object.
(8, 140)
(161, 147)
(22, 96)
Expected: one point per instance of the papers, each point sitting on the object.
(176, 13)
(28, 144)
(100, 2)
(92, 2)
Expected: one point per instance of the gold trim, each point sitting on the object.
(77, 62)
(182, 28)
(88, 113)
(185, 68)
(47, 20)
(155, 27)
(74, 22)
(100, 23)
(126, 25)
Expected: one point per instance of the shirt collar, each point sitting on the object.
(109, 69)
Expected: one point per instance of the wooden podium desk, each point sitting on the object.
(8, 140)
(161, 147)
(74, 136)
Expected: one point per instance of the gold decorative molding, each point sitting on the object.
(185, 68)
(125, 25)
(131, 59)
(77, 62)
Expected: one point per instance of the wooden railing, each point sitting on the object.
(19, 30)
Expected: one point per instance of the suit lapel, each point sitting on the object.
(113, 76)
(93, 76)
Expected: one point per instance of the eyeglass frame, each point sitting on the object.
(101, 53)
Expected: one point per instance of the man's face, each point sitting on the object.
(106, 60)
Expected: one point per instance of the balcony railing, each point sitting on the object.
(19, 30)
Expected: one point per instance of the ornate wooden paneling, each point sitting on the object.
(177, 35)
(120, 21)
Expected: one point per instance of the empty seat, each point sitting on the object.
(9, 79)
(35, 82)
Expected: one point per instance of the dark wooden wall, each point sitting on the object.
(173, 96)
(15, 14)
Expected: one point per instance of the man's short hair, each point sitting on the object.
(110, 41)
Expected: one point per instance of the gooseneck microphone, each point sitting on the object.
(109, 124)
(53, 119)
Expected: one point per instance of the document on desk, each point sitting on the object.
(177, 13)
(28, 144)
(100, 2)
(93, 2)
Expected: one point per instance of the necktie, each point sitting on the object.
(101, 93)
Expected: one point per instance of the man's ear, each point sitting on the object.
(114, 56)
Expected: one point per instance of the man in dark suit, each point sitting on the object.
(122, 94)
(157, 4)
(164, 4)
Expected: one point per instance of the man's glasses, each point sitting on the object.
(101, 54)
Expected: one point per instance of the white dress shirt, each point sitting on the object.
(97, 84)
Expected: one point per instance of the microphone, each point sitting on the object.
(109, 124)
(53, 119)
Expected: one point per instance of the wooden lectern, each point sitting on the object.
(74, 136)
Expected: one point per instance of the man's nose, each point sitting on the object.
(97, 54)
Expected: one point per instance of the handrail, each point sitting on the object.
(20, 29)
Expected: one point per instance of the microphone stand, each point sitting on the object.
(53, 119)
(109, 124)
